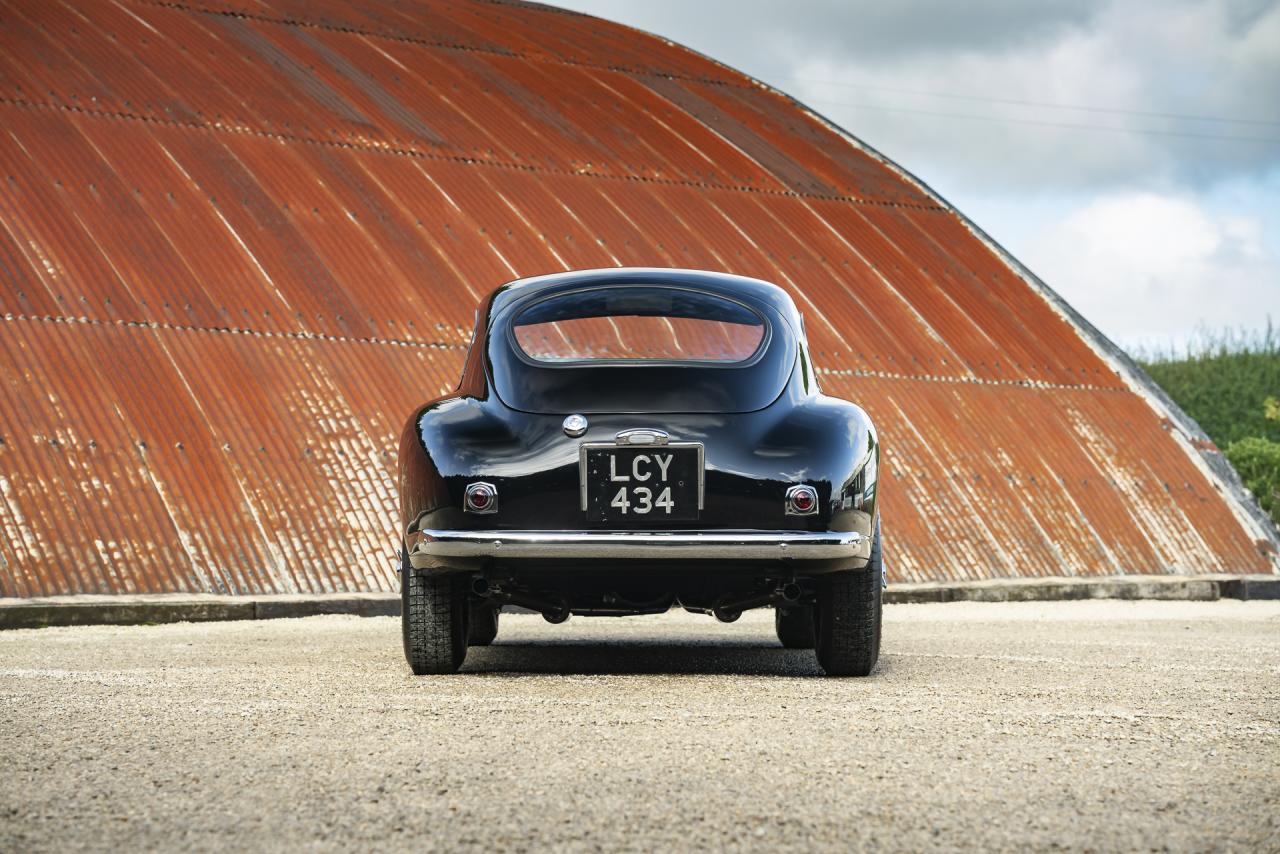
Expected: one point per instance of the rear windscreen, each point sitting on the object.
(639, 347)
(638, 324)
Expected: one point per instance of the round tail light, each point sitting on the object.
(481, 498)
(802, 501)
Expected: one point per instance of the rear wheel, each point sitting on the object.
(795, 627)
(482, 625)
(434, 621)
(848, 624)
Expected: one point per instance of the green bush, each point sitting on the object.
(1230, 383)
(1258, 462)
(1223, 381)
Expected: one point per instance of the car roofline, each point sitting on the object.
(756, 292)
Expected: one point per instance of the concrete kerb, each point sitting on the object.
(1184, 588)
(176, 608)
(179, 608)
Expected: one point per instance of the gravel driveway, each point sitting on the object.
(1102, 725)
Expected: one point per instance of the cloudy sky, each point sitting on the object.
(1127, 151)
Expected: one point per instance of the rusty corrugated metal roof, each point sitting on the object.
(239, 241)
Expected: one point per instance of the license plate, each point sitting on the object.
(642, 485)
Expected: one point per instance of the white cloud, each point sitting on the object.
(1149, 268)
(1145, 70)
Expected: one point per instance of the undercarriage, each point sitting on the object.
(557, 595)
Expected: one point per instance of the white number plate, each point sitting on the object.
(642, 485)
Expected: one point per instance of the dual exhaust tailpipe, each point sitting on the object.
(554, 609)
(729, 607)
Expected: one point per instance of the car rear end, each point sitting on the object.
(642, 441)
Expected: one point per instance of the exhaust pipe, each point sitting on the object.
(554, 609)
(727, 608)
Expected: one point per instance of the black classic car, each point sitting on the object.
(625, 441)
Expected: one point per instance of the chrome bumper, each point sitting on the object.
(686, 545)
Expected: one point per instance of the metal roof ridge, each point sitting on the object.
(444, 45)
(297, 335)
(969, 380)
(407, 151)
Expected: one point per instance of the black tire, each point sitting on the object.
(434, 620)
(849, 610)
(795, 627)
(482, 625)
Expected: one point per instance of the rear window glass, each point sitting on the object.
(634, 324)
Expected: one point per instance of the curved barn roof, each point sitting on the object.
(240, 240)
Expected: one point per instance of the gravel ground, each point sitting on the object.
(1086, 725)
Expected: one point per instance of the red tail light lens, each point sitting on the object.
(481, 498)
(802, 500)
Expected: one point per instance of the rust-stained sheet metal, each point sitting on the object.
(240, 241)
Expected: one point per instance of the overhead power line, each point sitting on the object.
(1088, 108)
(1040, 123)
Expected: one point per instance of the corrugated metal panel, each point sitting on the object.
(147, 458)
(238, 242)
(1063, 490)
